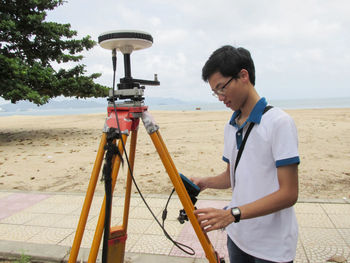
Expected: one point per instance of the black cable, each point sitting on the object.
(107, 173)
(177, 244)
(111, 151)
(165, 211)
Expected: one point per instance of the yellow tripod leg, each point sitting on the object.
(99, 228)
(118, 236)
(87, 202)
(183, 195)
(129, 179)
(153, 130)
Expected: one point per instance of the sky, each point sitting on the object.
(300, 47)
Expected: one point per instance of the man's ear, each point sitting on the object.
(244, 75)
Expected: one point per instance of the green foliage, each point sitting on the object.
(28, 47)
(23, 259)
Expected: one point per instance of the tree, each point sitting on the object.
(29, 46)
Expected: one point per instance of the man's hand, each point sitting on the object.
(221, 181)
(213, 219)
(201, 182)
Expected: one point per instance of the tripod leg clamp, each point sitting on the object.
(149, 122)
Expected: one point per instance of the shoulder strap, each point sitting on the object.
(241, 148)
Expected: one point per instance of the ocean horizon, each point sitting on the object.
(184, 106)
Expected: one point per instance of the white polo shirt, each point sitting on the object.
(272, 143)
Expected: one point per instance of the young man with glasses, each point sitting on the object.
(260, 220)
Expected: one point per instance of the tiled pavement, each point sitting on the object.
(42, 225)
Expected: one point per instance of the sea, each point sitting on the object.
(184, 106)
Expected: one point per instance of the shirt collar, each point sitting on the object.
(254, 116)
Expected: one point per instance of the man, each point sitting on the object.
(260, 220)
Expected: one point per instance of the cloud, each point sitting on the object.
(300, 44)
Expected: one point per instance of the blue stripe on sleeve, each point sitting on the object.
(225, 159)
(284, 162)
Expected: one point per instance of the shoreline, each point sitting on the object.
(56, 153)
(45, 113)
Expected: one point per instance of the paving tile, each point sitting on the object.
(45, 220)
(63, 208)
(134, 201)
(308, 208)
(300, 256)
(172, 227)
(93, 220)
(16, 202)
(95, 209)
(67, 221)
(337, 209)
(345, 233)
(66, 199)
(174, 203)
(157, 202)
(144, 213)
(18, 232)
(320, 237)
(131, 241)
(152, 244)
(314, 220)
(193, 244)
(90, 223)
(41, 207)
(18, 218)
(51, 236)
(118, 211)
(86, 240)
(118, 201)
(324, 253)
(324, 228)
(4, 194)
(340, 220)
(24, 198)
(189, 238)
(138, 226)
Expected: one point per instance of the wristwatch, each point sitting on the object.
(236, 213)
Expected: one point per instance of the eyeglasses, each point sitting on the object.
(216, 93)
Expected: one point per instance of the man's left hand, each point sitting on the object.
(213, 219)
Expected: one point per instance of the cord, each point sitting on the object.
(177, 244)
(107, 172)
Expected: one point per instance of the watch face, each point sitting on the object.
(235, 211)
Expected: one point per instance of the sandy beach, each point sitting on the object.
(57, 153)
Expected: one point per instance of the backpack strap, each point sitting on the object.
(241, 148)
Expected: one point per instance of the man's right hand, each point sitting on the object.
(201, 182)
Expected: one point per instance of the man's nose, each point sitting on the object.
(221, 97)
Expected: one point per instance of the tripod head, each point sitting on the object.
(126, 41)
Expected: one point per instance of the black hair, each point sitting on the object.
(229, 61)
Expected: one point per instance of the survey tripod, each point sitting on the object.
(123, 121)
